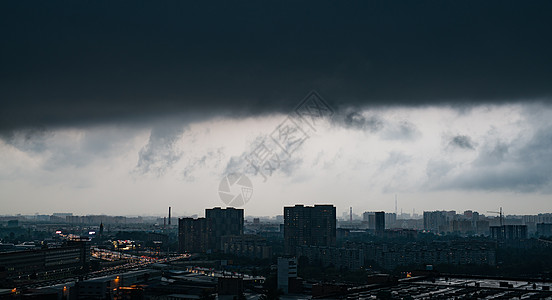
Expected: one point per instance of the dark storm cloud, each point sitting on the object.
(463, 142)
(80, 62)
(358, 121)
(373, 123)
(32, 140)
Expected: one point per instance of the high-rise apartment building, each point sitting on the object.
(436, 221)
(204, 234)
(192, 235)
(369, 218)
(380, 222)
(509, 232)
(222, 222)
(376, 220)
(390, 220)
(309, 226)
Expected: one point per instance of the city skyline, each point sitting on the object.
(343, 216)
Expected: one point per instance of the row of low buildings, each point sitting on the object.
(151, 283)
(471, 222)
(247, 245)
(392, 255)
(72, 257)
(339, 257)
(97, 219)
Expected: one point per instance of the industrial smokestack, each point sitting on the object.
(169, 216)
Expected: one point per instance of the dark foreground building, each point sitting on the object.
(71, 258)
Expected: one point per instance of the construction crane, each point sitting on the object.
(500, 214)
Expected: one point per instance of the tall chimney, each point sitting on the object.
(169, 216)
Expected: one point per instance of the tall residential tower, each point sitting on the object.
(309, 226)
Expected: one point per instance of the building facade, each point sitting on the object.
(287, 274)
(509, 232)
(391, 255)
(222, 222)
(340, 258)
(380, 222)
(192, 235)
(309, 226)
(251, 246)
(544, 229)
(436, 221)
(71, 258)
(205, 234)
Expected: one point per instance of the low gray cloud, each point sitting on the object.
(358, 121)
(27, 140)
(502, 166)
(436, 170)
(194, 163)
(463, 142)
(266, 164)
(289, 166)
(239, 163)
(161, 151)
(370, 122)
(404, 130)
(394, 161)
(494, 153)
(70, 148)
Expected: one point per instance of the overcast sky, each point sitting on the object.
(126, 108)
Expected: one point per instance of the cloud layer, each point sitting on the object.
(477, 158)
(75, 63)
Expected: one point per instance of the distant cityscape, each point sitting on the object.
(306, 251)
